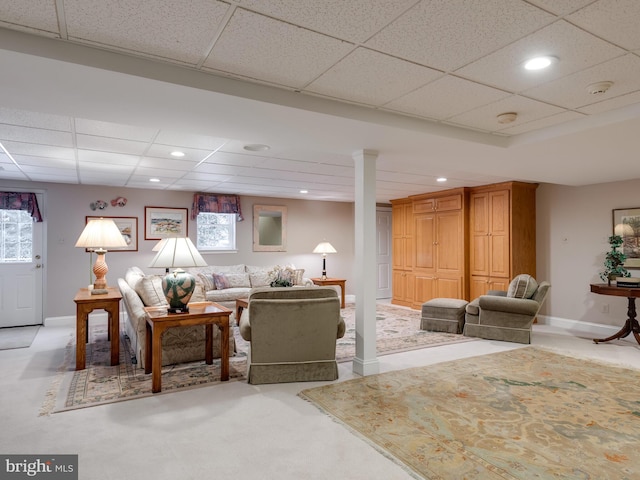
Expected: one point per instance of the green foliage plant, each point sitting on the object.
(614, 260)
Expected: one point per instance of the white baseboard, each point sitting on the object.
(594, 330)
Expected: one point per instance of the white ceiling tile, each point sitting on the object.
(614, 20)
(45, 161)
(158, 173)
(38, 169)
(446, 97)
(241, 160)
(58, 177)
(350, 20)
(167, 164)
(612, 104)
(162, 28)
(448, 35)
(484, 118)
(563, 117)
(115, 130)
(561, 8)
(96, 157)
(575, 49)
(171, 138)
(35, 135)
(262, 48)
(571, 91)
(372, 78)
(115, 145)
(38, 150)
(25, 118)
(34, 14)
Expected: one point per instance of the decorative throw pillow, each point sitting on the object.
(297, 276)
(220, 281)
(238, 280)
(207, 281)
(523, 286)
(260, 279)
(149, 289)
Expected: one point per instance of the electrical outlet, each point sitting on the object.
(604, 308)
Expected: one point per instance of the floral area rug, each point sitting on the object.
(397, 329)
(520, 414)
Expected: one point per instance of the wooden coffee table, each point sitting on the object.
(241, 304)
(200, 313)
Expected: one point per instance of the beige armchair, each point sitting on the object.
(506, 316)
(293, 333)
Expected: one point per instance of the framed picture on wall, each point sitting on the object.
(161, 222)
(626, 223)
(128, 227)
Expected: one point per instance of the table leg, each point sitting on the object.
(630, 326)
(156, 360)
(208, 344)
(148, 353)
(81, 333)
(114, 333)
(224, 354)
(342, 289)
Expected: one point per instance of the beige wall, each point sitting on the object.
(68, 268)
(573, 224)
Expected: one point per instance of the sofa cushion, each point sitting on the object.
(227, 268)
(206, 279)
(149, 288)
(523, 286)
(238, 280)
(227, 295)
(132, 276)
(220, 281)
(298, 276)
(260, 279)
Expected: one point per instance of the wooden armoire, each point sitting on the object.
(462, 242)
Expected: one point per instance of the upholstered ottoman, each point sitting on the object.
(443, 315)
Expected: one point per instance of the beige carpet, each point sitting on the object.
(17, 337)
(520, 414)
(397, 330)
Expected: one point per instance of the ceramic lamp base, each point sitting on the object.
(178, 287)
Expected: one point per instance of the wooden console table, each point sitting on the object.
(631, 325)
(87, 303)
(200, 313)
(332, 281)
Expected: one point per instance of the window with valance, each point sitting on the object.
(216, 203)
(21, 201)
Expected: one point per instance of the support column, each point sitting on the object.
(365, 361)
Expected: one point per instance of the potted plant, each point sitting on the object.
(614, 260)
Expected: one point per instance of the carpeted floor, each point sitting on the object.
(397, 330)
(520, 414)
(17, 337)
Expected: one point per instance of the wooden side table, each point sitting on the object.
(631, 324)
(87, 303)
(332, 281)
(200, 313)
(241, 304)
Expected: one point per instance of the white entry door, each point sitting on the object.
(21, 266)
(383, 231)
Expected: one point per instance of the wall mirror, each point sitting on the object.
(269, 228)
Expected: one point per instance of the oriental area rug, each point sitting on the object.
(397, 329)
(521, 414)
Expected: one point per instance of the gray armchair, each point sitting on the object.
(497, 316)
(293, 333)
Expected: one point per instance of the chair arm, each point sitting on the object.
(245, 326)
(342, 328)
(518, 306)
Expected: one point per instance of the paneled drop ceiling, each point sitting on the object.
(100, 92)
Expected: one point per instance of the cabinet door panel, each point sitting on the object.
(449, 246)
(449, 287)
(424, 289)
(424, 231)
(479, 226)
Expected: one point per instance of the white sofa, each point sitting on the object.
(186, 344)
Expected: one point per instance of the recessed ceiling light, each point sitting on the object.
(304, 191)
(441, 179)
(177, 153)
(508, 117)
(256, 147)
(538, 63)
(155, 180)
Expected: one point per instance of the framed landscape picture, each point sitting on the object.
(128, 227)
(626, 223)
(161, 222)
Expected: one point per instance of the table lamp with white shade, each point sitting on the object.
(178, 286)
(324, 248)
(99, 235)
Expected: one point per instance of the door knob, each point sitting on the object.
(38, 266)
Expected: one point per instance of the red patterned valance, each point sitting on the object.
(21, 201)
(216, 203)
